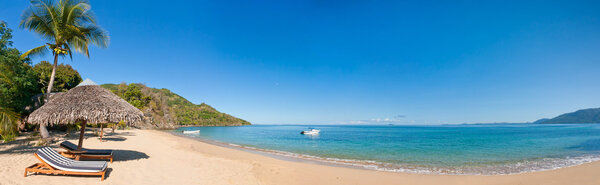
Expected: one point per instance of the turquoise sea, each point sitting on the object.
(445, 149)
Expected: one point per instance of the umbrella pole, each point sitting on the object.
(83, 123)
(101, 132)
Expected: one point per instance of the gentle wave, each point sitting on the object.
(458, 149)
(494, 169)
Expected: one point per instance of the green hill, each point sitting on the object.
(580, 116)
(165, 109)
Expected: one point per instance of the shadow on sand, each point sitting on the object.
(128, 155)
(119, 155)
(22, 148)
(114, 138)
(119, 134)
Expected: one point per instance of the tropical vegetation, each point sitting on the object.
(67, 26)
(165, 109)
(18, 82)
(65, 76)
(8, 124)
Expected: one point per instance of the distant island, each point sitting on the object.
(164, 109)
(581, 116)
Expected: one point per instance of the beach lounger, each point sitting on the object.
(54, 163)
(72, 152)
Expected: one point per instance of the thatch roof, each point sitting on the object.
(86, 102)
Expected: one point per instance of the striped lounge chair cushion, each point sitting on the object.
(60, 162)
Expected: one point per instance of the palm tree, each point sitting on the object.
(67, 25)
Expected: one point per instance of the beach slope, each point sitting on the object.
(157, 157)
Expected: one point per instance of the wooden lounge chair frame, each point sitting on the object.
(80, 154)
(45, 168)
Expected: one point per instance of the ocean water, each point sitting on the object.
(446, 149)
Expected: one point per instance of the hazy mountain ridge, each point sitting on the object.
(591, 115)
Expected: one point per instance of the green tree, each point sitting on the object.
(18, 81)
(5, 36)
(135, 97)
(67, 25)
(65, 78)
(17, 84)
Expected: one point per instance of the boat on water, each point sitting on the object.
(191, 131)
(311, 131)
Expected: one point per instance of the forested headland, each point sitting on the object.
(23, 84)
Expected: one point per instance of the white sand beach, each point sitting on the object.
(156, 157)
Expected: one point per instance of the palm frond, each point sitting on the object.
(76, 11)
(96, 35)
(80, 45)
(48, 10)
(68, 24)
(38, 51)
(8, 123)
(69, 50)
(38, 24)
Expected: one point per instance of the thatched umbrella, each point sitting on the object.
(86, 103)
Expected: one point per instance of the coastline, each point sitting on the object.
(184, 126)
(157, 157)
(383, 167)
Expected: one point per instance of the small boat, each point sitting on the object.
(191, 131)
(311, 131)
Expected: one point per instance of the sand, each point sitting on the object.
(157, 157)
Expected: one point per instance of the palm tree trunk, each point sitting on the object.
(43, 130)
(51, 83)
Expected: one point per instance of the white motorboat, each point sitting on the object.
(310, 132)
(191, 131)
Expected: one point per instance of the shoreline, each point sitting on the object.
(157, 157)
(561, 175)
(374, 165)
(183, 126)
(265, 152)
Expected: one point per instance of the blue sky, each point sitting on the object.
(320, 62)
